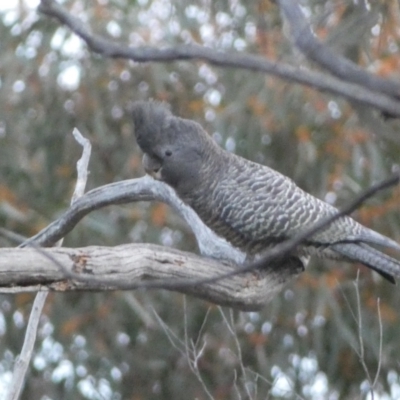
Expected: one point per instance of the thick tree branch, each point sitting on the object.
(131, 266)
(322, 82)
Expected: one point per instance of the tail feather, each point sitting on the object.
(380, 262)
(372, 237)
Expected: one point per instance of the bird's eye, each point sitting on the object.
(168, 153)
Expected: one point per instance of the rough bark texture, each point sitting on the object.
(133, 266)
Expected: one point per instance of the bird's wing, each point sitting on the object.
(273, 206)
(300, 210)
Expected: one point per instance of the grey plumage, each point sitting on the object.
(250, 205)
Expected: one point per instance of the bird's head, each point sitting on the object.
(175, 149)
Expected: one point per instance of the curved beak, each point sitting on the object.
(152, 166)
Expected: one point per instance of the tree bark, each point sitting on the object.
(135, 266)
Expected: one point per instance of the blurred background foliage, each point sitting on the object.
(161, 345)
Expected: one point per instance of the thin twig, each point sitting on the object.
(361, 351)
(23, 360)
(238, 349)
(176, 342)
(191, 354)
(194, 366)
(378, 370)
(235, 385)
(81, 166)
(202, 327)
(139, 310)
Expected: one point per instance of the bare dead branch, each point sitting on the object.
(81, 166)
(378, 369)
(139, 310)
(230, 325)
(133, 266)
(360, 327)
(320, 81)
(194, 351)
(308, 43)
(23, 360)
(358, 344)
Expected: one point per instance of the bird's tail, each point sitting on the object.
(380, 262)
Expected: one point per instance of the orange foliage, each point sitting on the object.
(159, 214)
(308, 280)
(269, 123)
(163, 96)
(256, 106)
(257, 339)
(134, 162)
(388, 30)
(264, 6)
(267, 38)
(388, 313)
(371, 212)
(334, 276)
(348, 363)
(328, 279)
(357, 136)
(23, 299)
(339, 149)
(100, 12)
(322, 32)
(63, 171)
(7, 195)
(388, 66)
(267, 42)
(336, 14)
(336, 175)
(73, 324)
(319, 104)
(135, 213)
(338, 145)
(303, 133)
(196, 106)
(103, 311)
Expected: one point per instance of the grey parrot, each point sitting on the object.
(250, 205)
